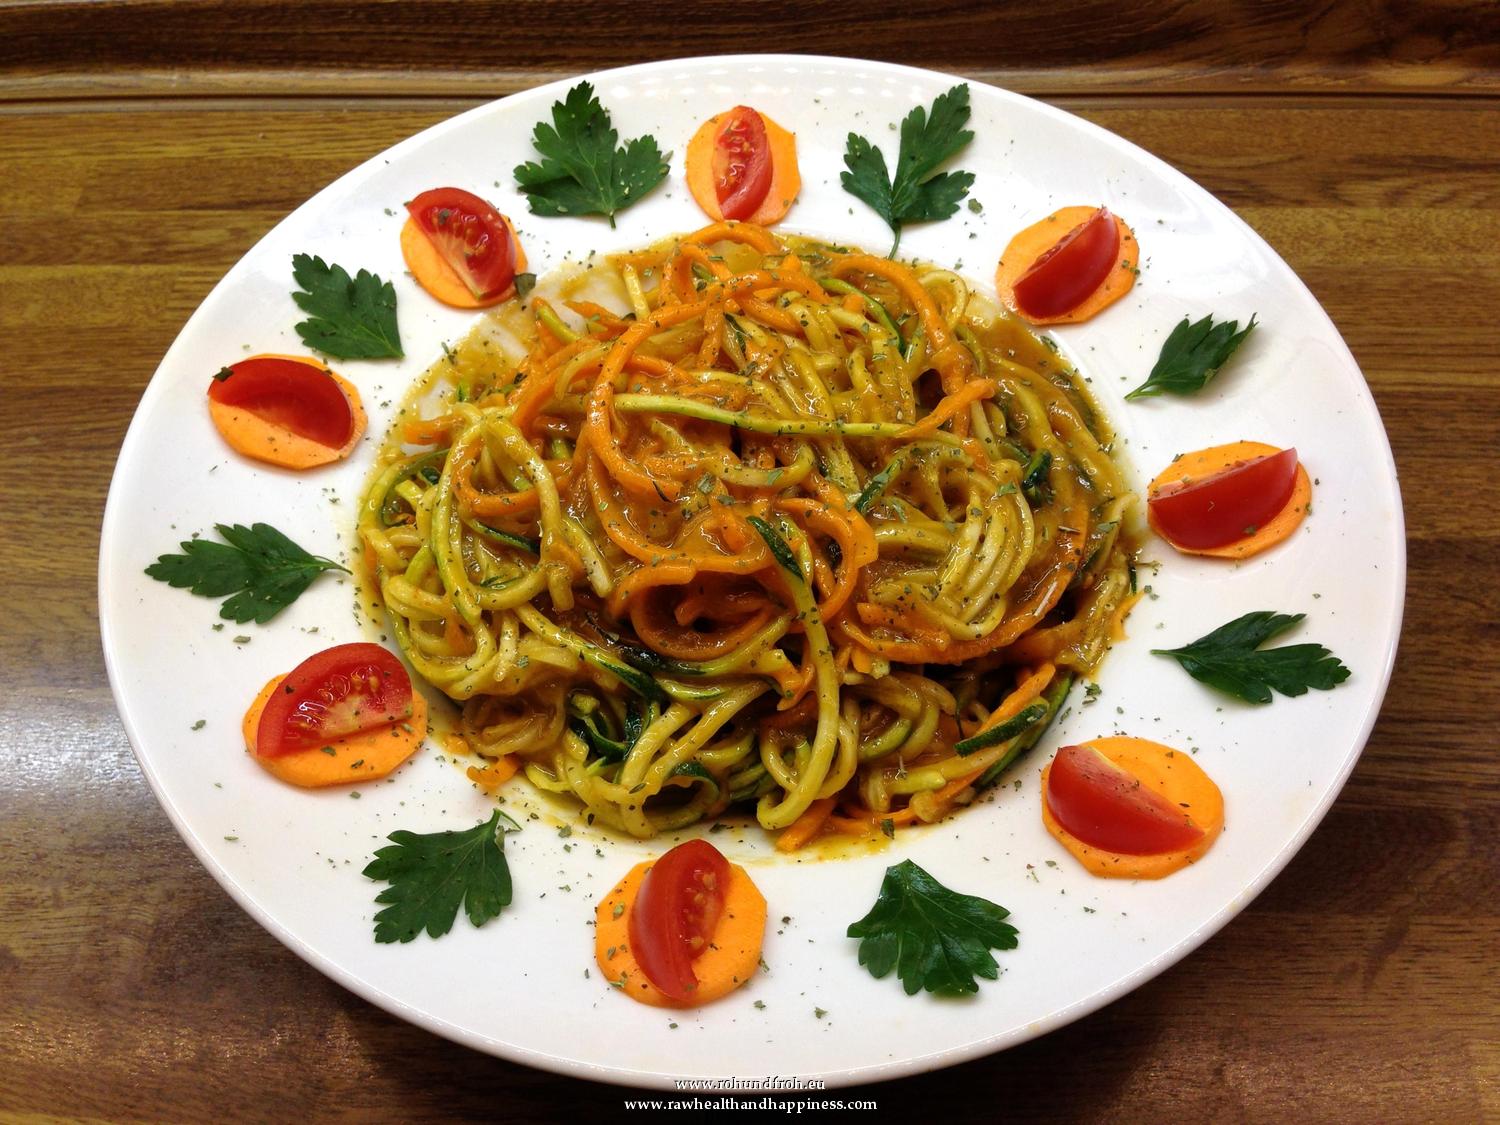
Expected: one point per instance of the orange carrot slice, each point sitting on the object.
(786, 179)
(1168, 772)
(1025, 248)
(732, 956)
(1206, 462)
(365, 756)
(262, 440)
(434, 274)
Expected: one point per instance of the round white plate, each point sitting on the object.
(524, 986)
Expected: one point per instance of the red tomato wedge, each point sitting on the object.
(296, 395)
(366, 756)
(1226, 506)
(470, 235)
(675, 913)
(1107, 807)
(340, 691)
(741, 163)
(1064, 277)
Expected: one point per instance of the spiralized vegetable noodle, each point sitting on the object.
(752, 520)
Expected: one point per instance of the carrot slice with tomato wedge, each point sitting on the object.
(433, 273)
(1159, 778)
(1052, 234)
(365, 756)
(1201, 468)
(729, 957)
(286, 410)
(703, 181)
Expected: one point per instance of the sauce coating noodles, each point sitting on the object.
(750, 520)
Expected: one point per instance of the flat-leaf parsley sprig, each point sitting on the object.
(1231, 659)
(261, 567)
(349, 318)
(431, 875)
(584, 170)
(1192, 356)
(917, 192)
(934, 938)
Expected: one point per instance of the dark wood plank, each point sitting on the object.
(72, 48)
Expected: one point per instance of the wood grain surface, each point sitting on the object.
(82, 48)
(146, 146)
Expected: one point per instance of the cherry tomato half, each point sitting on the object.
(340, 691)
(1108, 808)
(675, 913)
(1228, 505)
(742, 163)
(1062, 278)
(470, 235)
(297, 395)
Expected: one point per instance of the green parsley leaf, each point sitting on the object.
(934, 938)
(1230, 659)
(433, 874)
(1192, 355)
(350, 319)
(917, 193)
(582, 172)
(261, 567)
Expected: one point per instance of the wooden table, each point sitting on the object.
(146, 146)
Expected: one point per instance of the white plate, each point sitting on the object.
(518, 987)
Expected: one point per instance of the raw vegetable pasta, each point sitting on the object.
(749, 520)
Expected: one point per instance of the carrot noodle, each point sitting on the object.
(494, 775)
(1031, 686)
(1120, 613)
(745, 520)
(806, 826)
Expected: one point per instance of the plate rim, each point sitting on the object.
(874, 1072)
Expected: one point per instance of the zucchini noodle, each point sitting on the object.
(751, 521)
